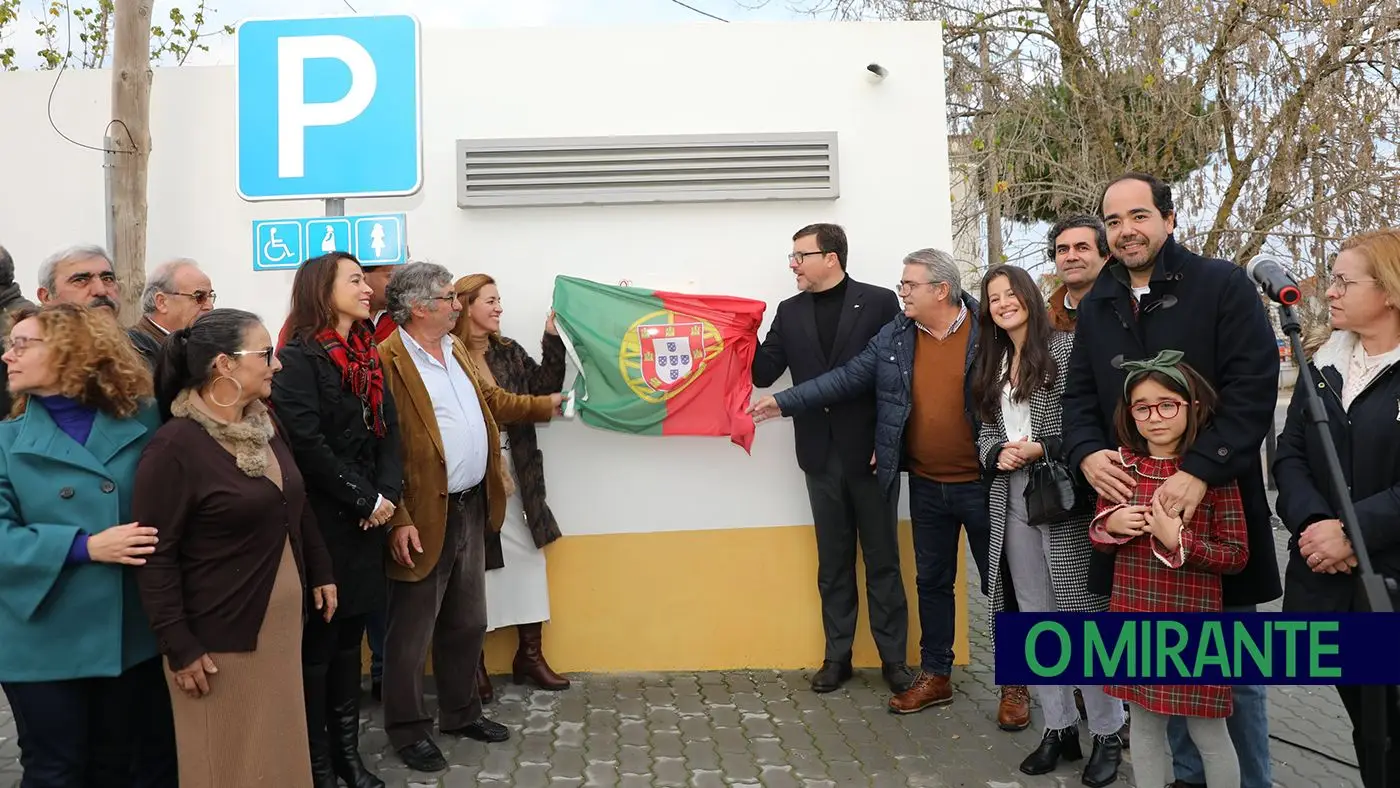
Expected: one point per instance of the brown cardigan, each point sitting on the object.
(207, 586)
(424, 504)
(1061, 319)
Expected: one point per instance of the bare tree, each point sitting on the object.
(1275, 119)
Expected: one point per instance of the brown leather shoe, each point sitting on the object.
(1014, 712)
(483, 683)
(927, 690)
(529, 662)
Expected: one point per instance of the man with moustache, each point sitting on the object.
(80, 275)
(1156, 295)
(825, 325)
(177, 293)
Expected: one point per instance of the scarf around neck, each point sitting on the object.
(360, 369)
(248, 439)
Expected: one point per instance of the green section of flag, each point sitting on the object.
(599, 323)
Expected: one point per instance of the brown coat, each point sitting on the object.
(516, 372)
(1061, 319)
(147, 338)
(424, 503)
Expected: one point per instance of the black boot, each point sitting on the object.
(1104, 761)
(343, 705)
(313, 679)
(1053, 746)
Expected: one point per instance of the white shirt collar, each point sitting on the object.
(414, 347)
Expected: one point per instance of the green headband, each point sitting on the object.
(1164, 362)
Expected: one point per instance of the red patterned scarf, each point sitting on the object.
(360, 369)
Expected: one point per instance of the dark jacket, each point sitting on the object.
(222, 534)
(10, 300)
(517, 373)
(886, 367)
(346, 467)
(1367, 438)
(792, 344)
(1211, 311)
(148, 339)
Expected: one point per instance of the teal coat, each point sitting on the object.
(78, 621)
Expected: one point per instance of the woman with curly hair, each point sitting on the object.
(517, 589)
(240, 560)
(79, 664)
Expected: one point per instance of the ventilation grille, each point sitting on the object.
(614, 170)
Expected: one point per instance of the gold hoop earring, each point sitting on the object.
(236, 397)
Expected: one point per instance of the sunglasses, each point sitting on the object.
(200, 297)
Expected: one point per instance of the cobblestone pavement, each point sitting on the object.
(767, 728)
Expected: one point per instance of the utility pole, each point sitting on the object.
(991, 168)
(130, 139)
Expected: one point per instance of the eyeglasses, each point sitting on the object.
(797, 257)
(266, 353)
(905, 286)
(1166, 410)
(18, 344)
(200, 297)
(1341, 283)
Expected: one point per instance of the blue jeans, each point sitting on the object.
(1249, 732)
(374, 631)
(939, 511)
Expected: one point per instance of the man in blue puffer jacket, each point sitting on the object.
(918, 367)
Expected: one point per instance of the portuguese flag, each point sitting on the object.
(659, 363)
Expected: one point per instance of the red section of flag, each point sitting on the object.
(716, 401)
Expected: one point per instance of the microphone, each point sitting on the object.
(1275, 279)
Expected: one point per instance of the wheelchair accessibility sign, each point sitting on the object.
(284, 244)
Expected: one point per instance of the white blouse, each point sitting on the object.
(1015, 415)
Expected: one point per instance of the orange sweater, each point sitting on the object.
(939, 440)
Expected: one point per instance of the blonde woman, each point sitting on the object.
(517, 588)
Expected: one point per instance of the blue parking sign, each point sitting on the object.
(329, 107)
(374, 239)
(331, 234)
(379, 240)
(278, 245)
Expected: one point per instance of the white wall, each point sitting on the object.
(895, 197)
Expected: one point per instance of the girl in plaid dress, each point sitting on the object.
(1166, 566)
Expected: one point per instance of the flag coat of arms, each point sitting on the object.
(659, 363)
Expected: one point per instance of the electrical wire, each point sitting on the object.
(67, 53)
(351, 7)
(698, 11)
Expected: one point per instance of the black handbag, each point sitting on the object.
(1053, 492)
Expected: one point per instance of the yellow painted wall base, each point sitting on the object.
(700, 600)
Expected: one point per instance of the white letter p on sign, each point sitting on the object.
(294, 114)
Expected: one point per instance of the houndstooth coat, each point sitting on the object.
(1070, 547)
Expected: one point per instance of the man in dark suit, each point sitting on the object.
(822, 327)
(1156, 295)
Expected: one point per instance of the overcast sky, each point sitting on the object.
(432, 13)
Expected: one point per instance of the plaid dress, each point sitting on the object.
(1149, 579)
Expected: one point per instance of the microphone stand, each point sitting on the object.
(1372, 585)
